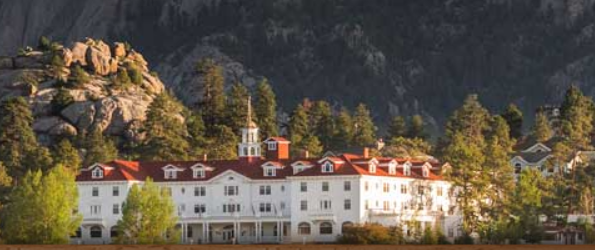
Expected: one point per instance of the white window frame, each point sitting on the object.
(347, 204)
(407, 170)
(264, 190)
(372, 168)
(303, 205)
(270, 171)
(97, 173)
(327, 167)
(169, 174)
(95, 191)
(198, 173)
(272, 146)
(116, 209)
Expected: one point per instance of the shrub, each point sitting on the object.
(61, 100)
(369, 234)
(122, 79)
(136, 76)
(80, 76)
(29, 78)
(44, 43)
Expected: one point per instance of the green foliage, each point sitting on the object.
(213, 94)
(237, 107)
(19, 150)
(298, 129)
(136, 75)
(265, 109)
(344, 129)
(44, 43)
(79, 76)
(577, 119)
(67, 155)
(322, 123)
(311, 144)
(369, 234)
(41, 209)
(541, 129)
(222, 143)
(98, 148)
(365, 131)
(166, 131)
(57, 68)
(406, 147)
(61, 100)
(397, 127)
(196, 133)
(531, 190)
(29, 78)
(416, 128)
(122, 79)
(514, 118)
(148, 215)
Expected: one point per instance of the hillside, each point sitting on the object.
(400, 57)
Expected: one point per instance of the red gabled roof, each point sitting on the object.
(277, 139)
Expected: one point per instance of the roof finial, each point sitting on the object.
(249, 122)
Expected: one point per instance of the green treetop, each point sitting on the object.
(322, 123)
(344, 127)
(67, 155)
(222, 143)
(514, 118)
(397, 127)
(196, 132)
(237, 107)
(541, 130)
(148, 216)
(98, 148)
(298, 129)
(416, 128)
(213, 98)
(265, 109)
(365, 131)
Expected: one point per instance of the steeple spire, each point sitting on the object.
(249, 122)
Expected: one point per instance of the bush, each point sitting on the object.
(29, 78)
(136, 76)
(464, 239)
(61, 100)
(122, 80)
(80, 76)
(44, 44)
(369, 234)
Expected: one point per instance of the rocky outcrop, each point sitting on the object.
(96, 103)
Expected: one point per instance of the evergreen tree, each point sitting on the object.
(44, 43)
(41, 209)
(531, 190)
(212, 106)
(98, 148)
(122, 79)
(148, 216)
(265, 109)
(365, 131)
(57, 68)
(165, 131)
(311, 144)
(298, 129)
(222, 143)
(68, 156)
(196, 132)
(344, 127)
(237, 107)
(397, 127)
(19, 150)
(80, 76)
(416, 128)
(407, 147)
(541, 131)
(322, 123)
(577, 119)
(514, 118)
(5, 183)
(61, 100)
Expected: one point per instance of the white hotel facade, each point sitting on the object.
(267, 197)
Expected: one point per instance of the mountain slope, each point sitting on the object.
(400, 57)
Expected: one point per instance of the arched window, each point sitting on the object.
(252, 151)
(407, 170)
(77, 234)
(326, 228)
(245, 151)
(517, 168)
(304, 228)
(345, 225)
(95, 232)
(113, 232)
(426, 172)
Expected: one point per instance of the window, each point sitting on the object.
(392, 169)
(347, 204)
(451, 232)
(372, 168)
(403, 189)
(200, 208)
(200, 191)
(303, 186)
(95, 191)
(325, 205)
(366, 204)
(272, 146)
(95, 210)
(265, 207)
(189, 232)
(181, 209)
(327, 167)
(304, 228)
(198, 173)
(282, 205)
(439, 191)
(425, 172)
(282, 188)
(407, 170)
(78, 233)
(385, 206)
(116, 209)
(265, 190)
(385, 187)
(269, 171)
(324, 186)
(517, 168)
(95, 232)
(231, 190)
(113, 232)
(231, 208)
(170, 174)
(347, 186)
(303, 205)
(326, 228)
(115, 191)
(366, 186)
(420, 190)
(97, 173)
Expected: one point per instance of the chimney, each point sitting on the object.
(204, 157)
(305, 154)
(366, 152)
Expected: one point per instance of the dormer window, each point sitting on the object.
(407, 170)
(392, 168)
(269, 171)
(170, 174)
(97, 173)
(272, 145)
(425, 172)
(372, 168)
(327, 167)
(198, 173)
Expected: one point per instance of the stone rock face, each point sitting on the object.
(96, 105)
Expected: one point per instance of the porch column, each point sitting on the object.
(207, 238)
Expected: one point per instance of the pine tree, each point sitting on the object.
(61, 100)
(541, 131)
(222, 143)
(237, 107)
(397, 127)
(165, 131)
(98, 148)
(68, 156)
(311, 144)
(122, 79)
(365, 131)
(531, 190)
(344, 127)
(514, 118)
(212, 106)
(148, 216)
(5, 183)
(19, 148)
(322, 123)
(80, 76)
(298, 129)
(196, 132)
(265, 109)
(41, 209)
(416, 128)
(577, 119)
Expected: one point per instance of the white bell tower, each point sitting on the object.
(250, 145)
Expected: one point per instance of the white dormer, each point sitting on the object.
(170, 172)
(425, 171)
(537, 148)
(199, 171)
(270, 168)
(270, 171)
(392, 167)
(327, 167)
(407, 169)
(300, 166)
(97, 173)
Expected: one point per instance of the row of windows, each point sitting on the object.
(325, 228)
(325, 186)
(325, 205)
(404, 188)
(386, 205)
(198, 191)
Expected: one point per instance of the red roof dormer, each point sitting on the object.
(277, 148)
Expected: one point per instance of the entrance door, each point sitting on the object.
(228, 233)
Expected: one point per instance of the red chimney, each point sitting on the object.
(366, 152)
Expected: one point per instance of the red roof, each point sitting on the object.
(277, 139)
(120, 170)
